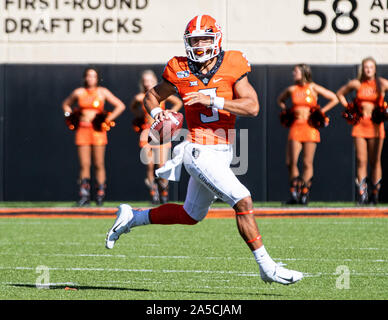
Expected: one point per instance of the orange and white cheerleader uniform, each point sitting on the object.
(85, 134)
(366, 128)
(302, 97)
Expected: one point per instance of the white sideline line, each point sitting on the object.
(237, 273)
(91, 244)
(43, 284)
(360, 274)
(328, 260)
(65, 255)
(181, 257)
(43, 243)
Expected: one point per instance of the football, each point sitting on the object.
(166, 130)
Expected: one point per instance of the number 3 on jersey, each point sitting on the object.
(215, 115)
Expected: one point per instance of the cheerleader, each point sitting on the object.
(91, 123)
(304, 119)
(367, 112)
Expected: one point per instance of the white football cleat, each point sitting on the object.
(281, 275)
(121, 225)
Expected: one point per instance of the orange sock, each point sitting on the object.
(170, 213)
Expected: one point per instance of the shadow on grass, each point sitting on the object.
(73, 287)
(76, 287)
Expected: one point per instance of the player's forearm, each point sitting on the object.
(151, 102)
(245, 107)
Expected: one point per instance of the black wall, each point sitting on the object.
(38, 159)
(2, 149)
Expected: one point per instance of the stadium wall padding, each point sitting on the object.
(2, 147)
(38, 158)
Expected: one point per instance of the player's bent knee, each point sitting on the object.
(189, 220)
(244, 204)
(195, 212)
(186, 218)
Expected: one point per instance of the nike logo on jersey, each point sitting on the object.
(216, 80)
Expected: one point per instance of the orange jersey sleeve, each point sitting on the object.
(208, 125)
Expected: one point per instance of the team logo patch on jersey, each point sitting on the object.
(195, 153)
(193, 83)
(183, 74)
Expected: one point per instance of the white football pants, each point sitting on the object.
(211, 178)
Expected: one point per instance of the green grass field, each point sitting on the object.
(138, 204)
(208, 261)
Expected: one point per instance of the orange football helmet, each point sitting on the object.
(205, 28)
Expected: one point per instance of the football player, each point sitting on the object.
(215, 89)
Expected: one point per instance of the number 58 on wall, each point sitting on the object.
(335, 23)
